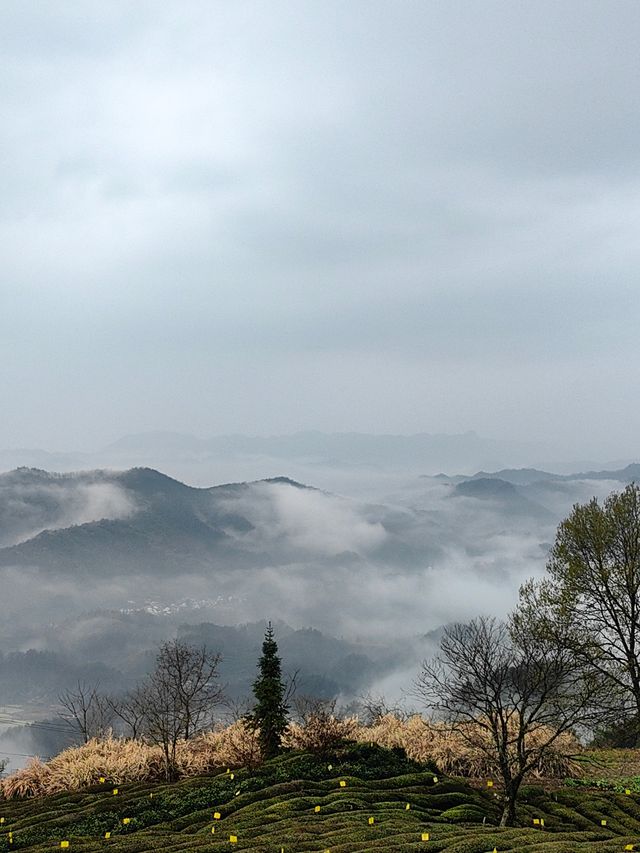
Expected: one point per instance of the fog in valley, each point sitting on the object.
(100, 566)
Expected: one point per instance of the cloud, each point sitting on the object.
(235, 203)
(322, 523)
(44, 503)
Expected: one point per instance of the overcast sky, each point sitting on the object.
(268, 216)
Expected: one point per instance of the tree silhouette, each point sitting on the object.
(270, 713)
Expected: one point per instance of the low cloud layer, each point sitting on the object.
(380, 572)
(420, 555)
(30, 505)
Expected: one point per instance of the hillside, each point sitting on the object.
(140, 520)
(99, 567)
(151, 521)
(274, 808)
(504, 495)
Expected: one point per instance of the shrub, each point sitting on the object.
(466, 813)
(321, 732)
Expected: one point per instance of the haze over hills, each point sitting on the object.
(325, 459)
(116, 524)
(100, 566)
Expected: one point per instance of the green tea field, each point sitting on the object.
(363, 799)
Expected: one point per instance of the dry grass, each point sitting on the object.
(460, 752)
(321, 732)
(611, 764)
(120, 760)
(123, 760)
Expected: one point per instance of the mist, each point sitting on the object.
(99, 568)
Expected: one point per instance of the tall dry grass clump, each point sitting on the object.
(458, 752)
(236, 745)
(121, 760)
(465, 750)
(116, 759)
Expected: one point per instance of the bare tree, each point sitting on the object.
(130, 710)
(374, 707)
(510, 692)
(86, 711)
(178, 700)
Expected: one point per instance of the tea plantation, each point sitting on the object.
(362, 798)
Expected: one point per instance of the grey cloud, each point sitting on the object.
(437, 184)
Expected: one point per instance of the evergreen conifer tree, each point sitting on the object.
(270, 711)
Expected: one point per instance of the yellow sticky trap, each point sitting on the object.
(425, 836)
(329, 766)
(536, 821)
(102, 780)
(228, 771)
(216, 815)
(629, 847)
(407, 807)
(541, 821)
(489, 783)
(603, 823)
(213, 830)
(115, 791)
(150, 796)
(1, 820)
(107, 835)
(371, 821)
(232, 775)
(126, 820)
(343, 784)
(435, 779)
(64, 844)
(317, 809)
(627, 791)
(233, 839)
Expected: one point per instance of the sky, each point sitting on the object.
(263, 217)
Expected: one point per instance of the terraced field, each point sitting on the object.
(298, 802)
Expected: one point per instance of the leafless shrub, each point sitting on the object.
(320, 728)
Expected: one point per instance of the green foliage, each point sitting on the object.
(270, 713)
(467, 813)
(274, 806)
(594, 586)
(622, 734)
(619, 785)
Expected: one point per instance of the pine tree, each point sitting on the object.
(270, 711)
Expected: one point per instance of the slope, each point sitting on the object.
(298, 803)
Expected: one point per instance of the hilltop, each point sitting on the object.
(297, 803)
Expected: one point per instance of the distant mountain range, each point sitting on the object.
(180, 452)
(144, 521)
(526, 476)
